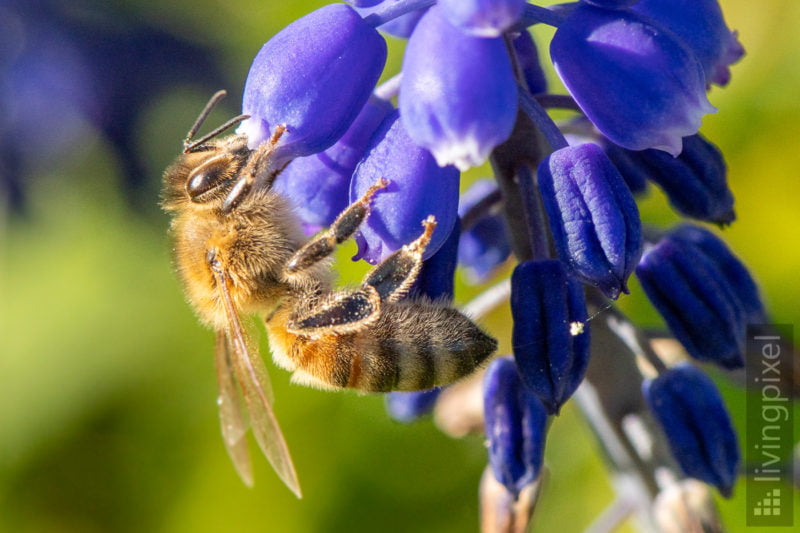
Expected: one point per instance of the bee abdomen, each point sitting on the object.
(415, 346)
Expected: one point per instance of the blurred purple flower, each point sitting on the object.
(485, 245)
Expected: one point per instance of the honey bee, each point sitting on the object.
(239, 250)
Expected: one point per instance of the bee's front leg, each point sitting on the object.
(323, 244)
(259, 167)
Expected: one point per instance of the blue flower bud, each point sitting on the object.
(409, 406)
(550, 335)
(698, 428)
(698, 304)
(436, 278)
(314, 76)
(593, 216)
(695, 182)
(483, 18)
(626, 162)
(418, 187)
(730, 268)
(528, 60)
(458, 96)
(485, 245)
(635, 81)
(701, 26)
(516, 426)
(319, 184)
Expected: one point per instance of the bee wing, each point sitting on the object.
(251, 374)
(232, 415)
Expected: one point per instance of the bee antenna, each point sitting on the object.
(212, 103)
(189, 145)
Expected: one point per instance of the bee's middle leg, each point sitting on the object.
(323, 244)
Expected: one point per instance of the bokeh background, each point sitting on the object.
(107, 391)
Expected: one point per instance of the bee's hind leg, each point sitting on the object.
(394, 276)
(323, 244)
(339, 313)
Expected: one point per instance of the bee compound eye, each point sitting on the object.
(206, 177)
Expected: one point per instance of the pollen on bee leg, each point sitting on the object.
(419, 245)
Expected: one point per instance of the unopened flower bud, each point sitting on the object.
(593, 216)
(516, 426)
(698, 303)
(698, 428)
(550, 336)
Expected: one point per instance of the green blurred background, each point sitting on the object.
(107, 391)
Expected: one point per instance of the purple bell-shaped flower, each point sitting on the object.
(516, 426)
(314, 77)
(550, 335)
(319, 184)
(593, 216)
(698, 428)
(639, 85)
(701, 26)
(418, 187)
(458, 97)
(482, 18)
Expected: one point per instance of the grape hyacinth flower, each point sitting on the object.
(695, 182)
(418, 187)
(612, 59)
(319, 184)
(340, 53)
(472, 89)
(433, 98)
(701, 26)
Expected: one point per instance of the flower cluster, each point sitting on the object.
(472, 89)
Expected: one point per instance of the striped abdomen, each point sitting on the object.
(411, 346)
